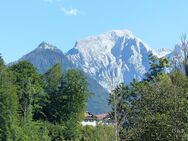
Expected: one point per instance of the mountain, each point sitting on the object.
(163, 52)
(47, 55)
(112, 58)
(177, 57)
(106, 60)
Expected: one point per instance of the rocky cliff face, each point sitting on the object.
(45, 56)
(111, 58)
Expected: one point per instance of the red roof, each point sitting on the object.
(101, 116)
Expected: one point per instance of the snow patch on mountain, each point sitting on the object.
(112, 58)
(45, 56)
(45, 45)
(162, 52)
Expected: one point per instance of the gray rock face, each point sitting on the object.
(112, 58)
(45, 56)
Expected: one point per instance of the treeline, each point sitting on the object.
(49, 107)
(155, 109)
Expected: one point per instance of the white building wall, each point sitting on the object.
(91, 123)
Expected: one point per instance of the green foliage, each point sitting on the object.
(8, 105)
(157, 66)
(56, 132)
(1, 61)
(72, 95)
(28, 114)
(99, 133)
(29, 88)
(67, 97)
(52, 80)
(159, 112)
(33, 131)
(153, 109)
(120, 105)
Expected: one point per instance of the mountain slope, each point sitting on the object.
(111, 58)
(46, 55)
(106, 60)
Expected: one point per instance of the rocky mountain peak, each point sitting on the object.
(45, 45)
(112, 57)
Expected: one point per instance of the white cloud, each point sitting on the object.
(69, 11)
(66, 11)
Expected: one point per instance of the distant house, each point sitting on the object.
(104, 119)
(102, 116)
(90, 119)
(93, 120)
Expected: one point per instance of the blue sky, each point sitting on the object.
(26, 23)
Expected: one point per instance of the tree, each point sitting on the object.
(119, 101)
(98, 133)
(8, 105)
(56, 132)
(184, 48)
(159, 112)
(166, 108)
(1, 61)
(180, 55)
(52, 78)
(72, 95)
(67, 97)
(124, 97)
(29, 88)
(155, 108)
(157, 66)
